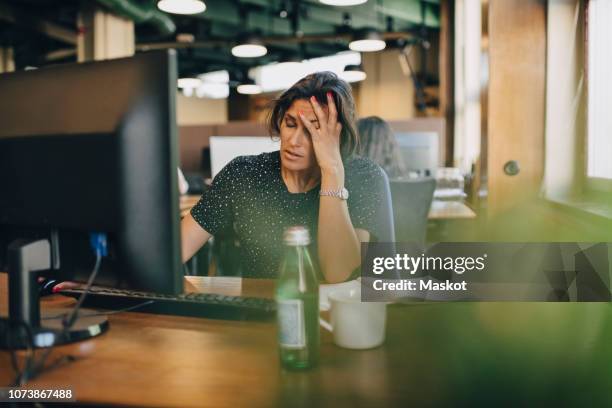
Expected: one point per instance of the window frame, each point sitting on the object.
(595, 187)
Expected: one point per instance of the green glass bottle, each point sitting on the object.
(297, 298)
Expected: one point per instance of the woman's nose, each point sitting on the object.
(296, 137)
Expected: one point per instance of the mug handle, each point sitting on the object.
(324, 307)
(326, 325)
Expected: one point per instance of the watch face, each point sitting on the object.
(344, 194)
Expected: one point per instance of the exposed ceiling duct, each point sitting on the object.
(142, 13)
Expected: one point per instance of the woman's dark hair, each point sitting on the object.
(317, 85)
(379, 145)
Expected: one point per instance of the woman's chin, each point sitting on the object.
(295, 165)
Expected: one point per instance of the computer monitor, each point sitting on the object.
(92, 147)
(420, 151)
(225, 148)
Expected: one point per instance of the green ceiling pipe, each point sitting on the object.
(142, 13)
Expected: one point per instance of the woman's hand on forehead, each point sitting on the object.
(326, 136)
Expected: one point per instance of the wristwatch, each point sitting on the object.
(341, 193)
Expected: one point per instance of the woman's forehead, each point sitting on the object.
(304, 106)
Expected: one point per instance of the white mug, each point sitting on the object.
(355, 324)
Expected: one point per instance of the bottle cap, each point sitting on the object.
(297, 236)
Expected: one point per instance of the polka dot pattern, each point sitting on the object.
(250, 196)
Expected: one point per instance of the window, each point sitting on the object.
(599, 80)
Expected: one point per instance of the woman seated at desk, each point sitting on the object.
(306, 183)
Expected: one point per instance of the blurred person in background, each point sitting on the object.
(377, 143)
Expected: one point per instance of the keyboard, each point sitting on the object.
(208, 305)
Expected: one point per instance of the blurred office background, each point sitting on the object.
(504, 103)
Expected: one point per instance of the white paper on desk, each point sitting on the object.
(230, 286)
(227, 285)
(448, 193)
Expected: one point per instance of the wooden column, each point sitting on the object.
(447, 68)
(516, 100)
(103, 35)
(387, 92)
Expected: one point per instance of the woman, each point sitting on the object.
(377, 143)
(305, 183)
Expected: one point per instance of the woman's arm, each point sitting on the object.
(193, 237)
(338, 241)
(339, 244)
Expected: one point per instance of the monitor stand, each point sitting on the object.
(25, 257)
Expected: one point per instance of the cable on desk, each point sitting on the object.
(29, 349)
(127, 309)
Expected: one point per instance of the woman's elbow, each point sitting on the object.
(337, 274)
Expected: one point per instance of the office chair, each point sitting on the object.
(385, 227)
(411, 202)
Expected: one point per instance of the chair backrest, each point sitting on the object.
(384, 218)
(411, 203)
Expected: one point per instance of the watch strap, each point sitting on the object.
(341, 193)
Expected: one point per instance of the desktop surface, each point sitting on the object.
(435, 354)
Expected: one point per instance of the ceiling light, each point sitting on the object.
(280, 76)
(186, 38)
(292, 64)
(181, 6)
(249, 46)
(218, 77)
(353, 73)
(212, 90)
(189, 82)
(367, 40)
(342, 2)
(248, 87)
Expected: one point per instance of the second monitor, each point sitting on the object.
(224, 149)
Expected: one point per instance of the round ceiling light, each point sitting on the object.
(181, 6)
(248, 87)
(249, 46)
(353, 73)
(249, 51)
(368, 40)
(342, 3)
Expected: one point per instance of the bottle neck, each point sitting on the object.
(298, 266)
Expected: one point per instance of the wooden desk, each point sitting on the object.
(440, 210)
(461, 354)
(450, 210)
(187, 202)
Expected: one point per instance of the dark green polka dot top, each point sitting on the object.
(250, 197)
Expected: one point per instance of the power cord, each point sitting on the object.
(29, 347)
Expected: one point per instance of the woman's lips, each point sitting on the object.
(292, 155)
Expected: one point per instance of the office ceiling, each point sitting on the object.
(302, 28)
